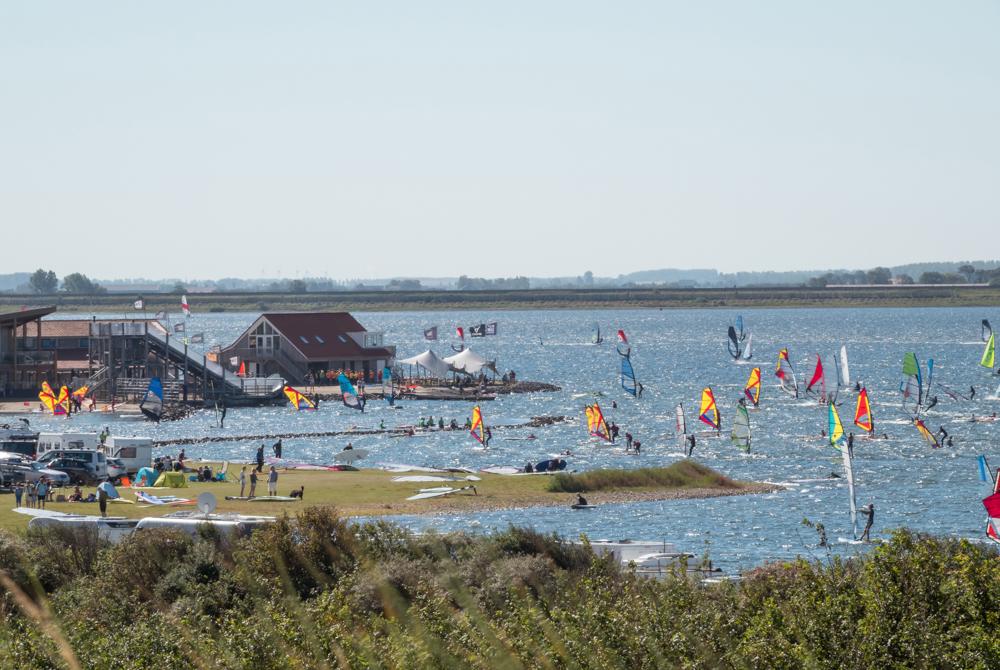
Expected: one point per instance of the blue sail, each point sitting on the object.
(628, 375)
(389, 396)
(152, 402)
(350, 394)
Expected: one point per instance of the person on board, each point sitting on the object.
(222, 413)
(868, 509)
(580, 500)
(614, 404)
(690, 440)
(639, 389)
(934, 401)
(614, 431)
(951, 441)
(857, 386)
(637, 445)
(348, 447)
(489, 436)
(628, 441)
(972, 392)
(943, 433)
(850, 441)
(440, 423)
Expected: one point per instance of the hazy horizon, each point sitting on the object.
(317, 139)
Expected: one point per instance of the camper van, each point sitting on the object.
(48, 442)
(133, 452)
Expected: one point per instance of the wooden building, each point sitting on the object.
(305, 346)
(22, 369)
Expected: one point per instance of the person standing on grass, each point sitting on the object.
(243, 480)
(272, 482)
(42, 491)
(18, 492)
(253, 484)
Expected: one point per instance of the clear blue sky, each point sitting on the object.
(207, 139)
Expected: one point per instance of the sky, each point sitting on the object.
(371, 139)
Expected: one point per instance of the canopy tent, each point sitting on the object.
(145, 477)
(430, 362)
(469, 362)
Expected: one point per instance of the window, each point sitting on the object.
(342, 339)
(48, 343)
(83, 343)
(126, 452)
(304, 340)
(318, 339)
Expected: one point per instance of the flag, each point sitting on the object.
(139, 304)
(431, 333)
(242, 372)
(234, 361)
(179, 327)
(477, 331)
(198, 338)
(491, 328)
(160, 315)
(184, 306)
(460, 333)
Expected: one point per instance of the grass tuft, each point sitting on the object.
(682, 474)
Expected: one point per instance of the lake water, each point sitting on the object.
(675, 355)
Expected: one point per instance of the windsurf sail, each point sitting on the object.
(739, 328)
(863, 413)
(58, 404)
(748, 350)
(817, 385)
(930, 437)
(786, 374)
(984, 469)
(299, 400)
(350, 394)
(741, 428)
(628, 373)
(681, 422)
(431, 333)
(478, 429)
(989, 353)
(843, 370)
(81, 392)
(709, 413)
(596, 425)
(835, 427)
(752, 388)
(986, 331)
(597, 334)
(733, 344)
(388, 393)
(152, 402)
(992, 504)
(912, 385)
(184, 306)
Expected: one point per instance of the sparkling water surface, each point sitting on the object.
(675, 355)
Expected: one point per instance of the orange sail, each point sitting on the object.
(298, 399)
(709, 412)
(752, 389)
(596, 425)
(930, 437)
(478, 429)
(863, 414)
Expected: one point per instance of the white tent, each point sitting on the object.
(469, 361)
(430, 362)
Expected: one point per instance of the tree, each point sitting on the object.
(931, 278)
(588, 278)
(297, 286)
(80, 283)
(178, 288)
(43, 281)
(968, 271)
(879, 275)
(903, 279)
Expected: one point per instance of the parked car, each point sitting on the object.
(79, 472)
(116, 469)
(16, 468)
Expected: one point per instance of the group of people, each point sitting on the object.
(252, 479)
(429, 423)
(168, 463)
(33, 494)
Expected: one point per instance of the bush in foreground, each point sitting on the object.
(682, 474)
(319, 593)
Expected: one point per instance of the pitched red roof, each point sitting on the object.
(323, 335)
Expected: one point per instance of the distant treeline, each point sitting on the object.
(318, 592)
(964, 274)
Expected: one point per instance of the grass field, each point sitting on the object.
(371, 492)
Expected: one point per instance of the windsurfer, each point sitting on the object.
(972, 392)
(640, 388)
(628, 441)
(943, 433)
(857, 387)
(933, 401)
(850, 441)
(691, 442)
(868, 509)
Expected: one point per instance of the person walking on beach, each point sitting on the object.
(272, 482)
(260, 458)
(243, 480)
(253, 484)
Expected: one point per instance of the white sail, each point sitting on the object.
(849, 470)
(845, 371)
(681, 423)
(747, 353)
(741, 428)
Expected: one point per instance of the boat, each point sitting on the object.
(752, 388)
(741, 428)
(838, 441)
(709, 412)
(786, 374)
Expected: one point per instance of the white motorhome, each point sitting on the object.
(133, 452)
(48, 442)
